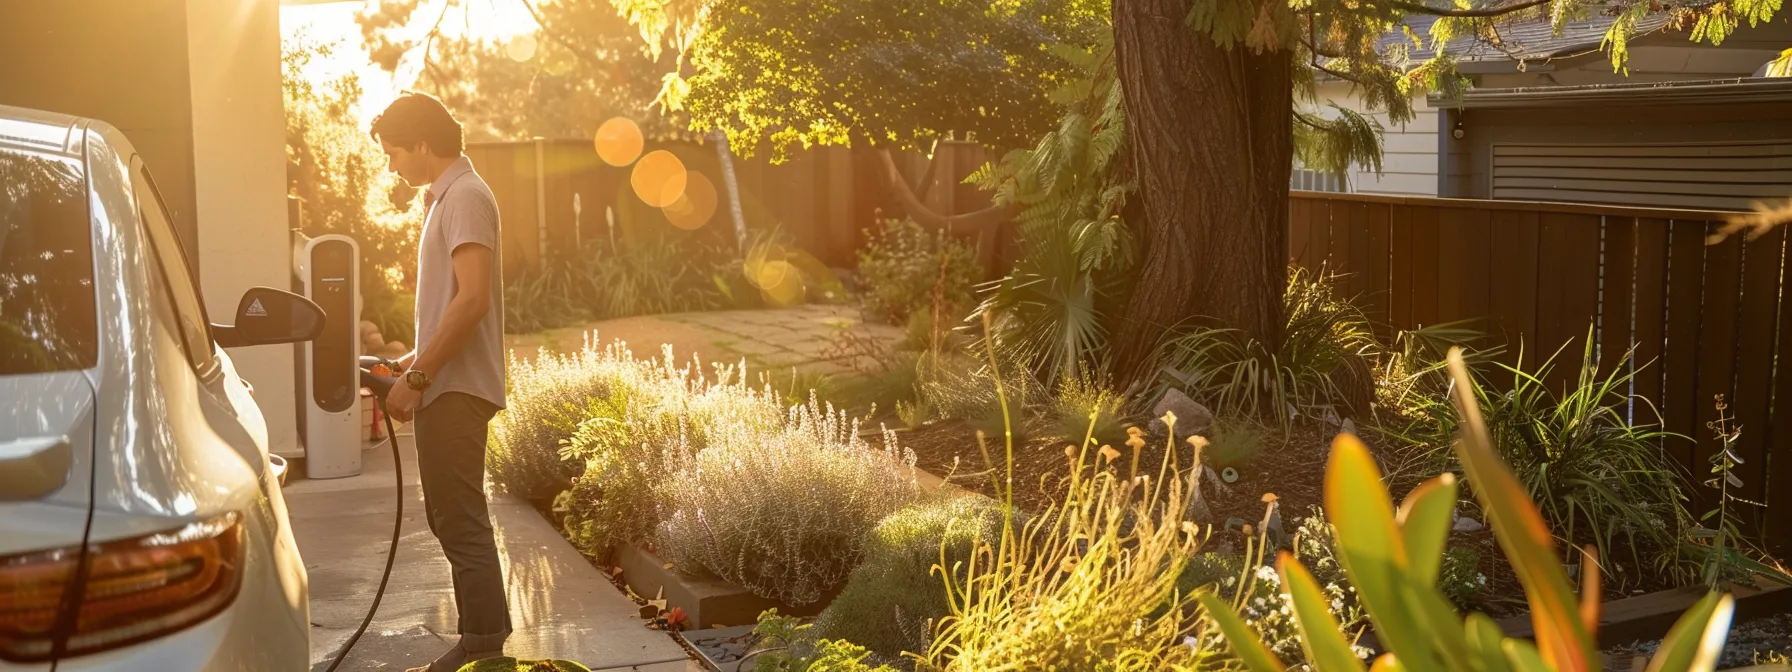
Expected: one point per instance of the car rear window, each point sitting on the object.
(47, 320)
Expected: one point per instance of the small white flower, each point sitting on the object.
(1231, 581)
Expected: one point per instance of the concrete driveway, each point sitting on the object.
(560, 606)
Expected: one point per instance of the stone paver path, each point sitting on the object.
(804, 338)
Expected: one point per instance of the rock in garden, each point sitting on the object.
(1349, 427)
(1191, 417)
(1466, 524)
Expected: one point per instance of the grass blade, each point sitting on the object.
(1523, 657)
(1372, 551)
(1321, 636)
(1697, 638)
(1387, 663)
(1562, 639)
(1484, 638)
(1424, 520)
(1246, 643)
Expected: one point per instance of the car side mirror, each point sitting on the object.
(268, 316)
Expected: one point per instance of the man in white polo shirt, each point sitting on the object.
(454, 381)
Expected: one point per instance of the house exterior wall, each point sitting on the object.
(1409, 151)
(120, 61)
(1613, 125)
(239, 182)
(195, 85)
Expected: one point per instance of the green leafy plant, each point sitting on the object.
(788, 646)
(1068, 410)
(1321, 366)
(1073, 274)
(1254, 589)
(903, 263)
(1460, 579)
(782, 511)
(1593, 472)
(894, 595)
(1392, 558)
(1717, 544)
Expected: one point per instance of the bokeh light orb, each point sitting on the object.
(619, 141)
(521, 48)
(781, 284)
(698, 204)
(659, 178)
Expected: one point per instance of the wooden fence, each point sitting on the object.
(1703, 319)
(558, 195)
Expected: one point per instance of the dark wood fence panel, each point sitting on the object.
(1702, 320)
(1759, 316)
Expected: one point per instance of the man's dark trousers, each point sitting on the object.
(450, 440)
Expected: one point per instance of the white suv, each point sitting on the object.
(141, 521)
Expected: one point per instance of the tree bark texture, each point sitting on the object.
(1211, 143)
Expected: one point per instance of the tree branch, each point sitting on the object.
(970, 223)
(1416, 8)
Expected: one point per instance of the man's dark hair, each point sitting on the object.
(419, 118)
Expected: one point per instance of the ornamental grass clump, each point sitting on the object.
(782, 511)
(1090, 583)
(1320, 366)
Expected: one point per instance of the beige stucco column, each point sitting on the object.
(239, 178)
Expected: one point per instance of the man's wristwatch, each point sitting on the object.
(417, 380)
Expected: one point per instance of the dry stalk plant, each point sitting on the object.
(1765, 217)
(1089, 584)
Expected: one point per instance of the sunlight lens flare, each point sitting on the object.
(521, 48)
(619, 141)
(659, 178)
(698, 204)
(781, 284)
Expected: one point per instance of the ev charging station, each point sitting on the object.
(326, 269)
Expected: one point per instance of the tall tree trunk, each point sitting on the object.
(1211, 145)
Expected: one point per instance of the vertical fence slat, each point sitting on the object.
(1361, 252)
(1464, 267)
(1400, 290)
(1754, 364)
(1376, 272)
(1300, 231)
(1513, 318)
(1686, 277)
(1425, 254)
(1567, 292)
(1342, 255)
(1615, 337)
(1717, 353)
(1651, 315)
(1778, 467)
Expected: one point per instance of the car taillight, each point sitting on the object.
(136, 589)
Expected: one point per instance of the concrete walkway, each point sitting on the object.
(560, 606)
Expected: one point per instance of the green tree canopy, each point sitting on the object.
(887, 74)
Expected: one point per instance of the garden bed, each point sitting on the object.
(1290, 465)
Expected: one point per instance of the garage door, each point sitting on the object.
(1715, 176)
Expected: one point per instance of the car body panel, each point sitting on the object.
(167, 442)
